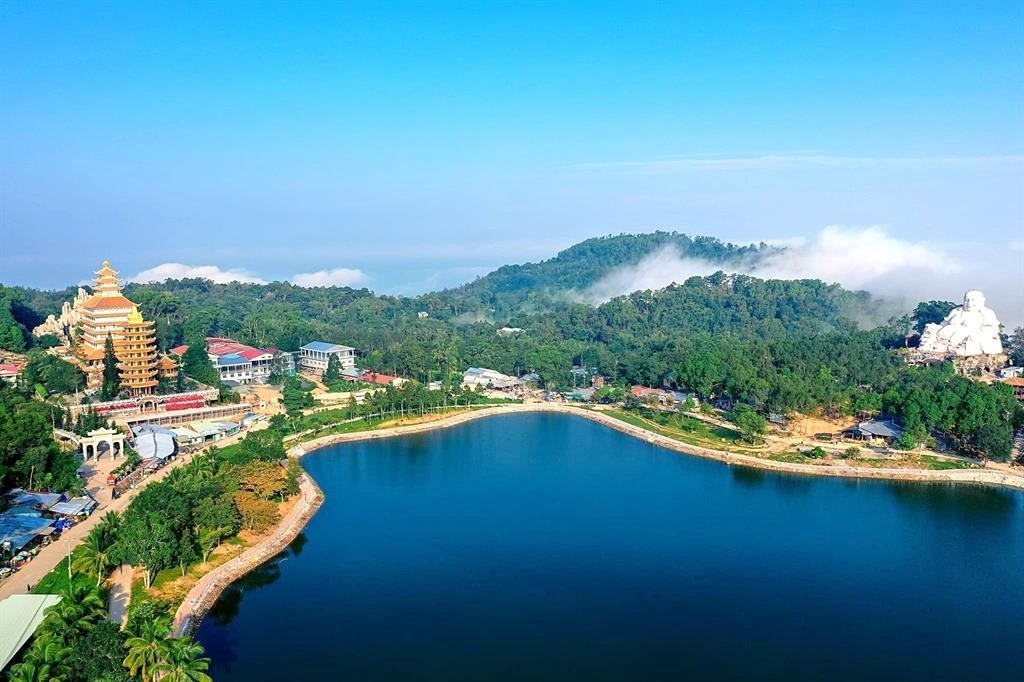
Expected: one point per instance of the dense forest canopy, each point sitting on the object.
(779, 345)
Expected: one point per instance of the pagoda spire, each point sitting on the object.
(107, 283)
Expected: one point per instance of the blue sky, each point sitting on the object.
(414, 145)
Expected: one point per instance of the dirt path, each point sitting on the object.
(120, 593)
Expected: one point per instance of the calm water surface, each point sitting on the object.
(547, 547)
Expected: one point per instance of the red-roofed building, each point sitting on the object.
(241, 363)
(1018, 387)
(179, 350)
(9, 372)
(371, 377)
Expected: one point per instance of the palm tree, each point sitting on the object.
(93, 556)
(80, 607)
(44, 662)
(182, 661)
(32, 671)
(144, 649)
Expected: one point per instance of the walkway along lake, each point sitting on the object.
(548, 547)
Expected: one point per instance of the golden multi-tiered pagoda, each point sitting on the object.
(108, 313)
(136, 355)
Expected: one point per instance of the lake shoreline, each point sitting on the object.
(205, 593)
(979, 477)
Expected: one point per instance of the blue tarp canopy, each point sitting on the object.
(74, 506)
(19, 496)
(21, 530)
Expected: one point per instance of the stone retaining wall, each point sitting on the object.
(202, 596)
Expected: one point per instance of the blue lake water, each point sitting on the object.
(548, 547)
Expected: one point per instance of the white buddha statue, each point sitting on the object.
(971, 329)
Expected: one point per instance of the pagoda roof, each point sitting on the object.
(167, 363)
(105, 269)
(98, 301)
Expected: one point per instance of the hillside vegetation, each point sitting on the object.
(778, 345)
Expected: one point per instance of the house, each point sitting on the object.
(9, 372)
(580, 394)
(872, 429)
(651, 395)
(210, 431)
(1010, 372)
(372, 377)
(314, 356)
(1017, 383)
(283, 362)
(234, 367)
(488, 378)
(243, 364)
(186, 437)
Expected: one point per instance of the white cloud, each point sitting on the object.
(214, 273)
(855, 258)
(338, 277)
(858, 258)
(686, 164)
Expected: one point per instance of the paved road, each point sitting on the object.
(97, 471)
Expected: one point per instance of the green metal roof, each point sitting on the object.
(20, 615)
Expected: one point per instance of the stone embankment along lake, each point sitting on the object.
(203, 595)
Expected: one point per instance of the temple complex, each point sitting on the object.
(87, 322)
(136, 355)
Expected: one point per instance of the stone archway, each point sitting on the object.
(114, 440)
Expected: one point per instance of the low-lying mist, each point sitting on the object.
(897, 272)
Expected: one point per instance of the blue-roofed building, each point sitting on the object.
(314, 356)
(234, 367)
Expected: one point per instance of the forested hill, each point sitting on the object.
(534, 287)
(530, 296)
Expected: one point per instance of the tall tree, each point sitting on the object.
(1015, 346)
(195, 363)
(111, 375)
(333, 372)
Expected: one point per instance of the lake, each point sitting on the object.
(548, 547)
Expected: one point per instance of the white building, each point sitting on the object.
(314, 356)
(488, 378)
